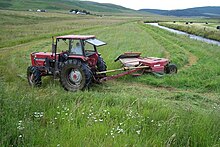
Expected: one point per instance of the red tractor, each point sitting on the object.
(76, 65)
(79, 63)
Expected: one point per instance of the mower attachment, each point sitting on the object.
(156, 65)
(133, 62)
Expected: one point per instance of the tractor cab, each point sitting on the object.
(83, 47)
(78, 45)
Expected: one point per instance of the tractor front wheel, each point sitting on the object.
(75, 75)
(171, 69)
(34, 76)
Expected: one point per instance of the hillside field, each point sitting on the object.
(174, 110)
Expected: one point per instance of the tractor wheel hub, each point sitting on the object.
(75, 76)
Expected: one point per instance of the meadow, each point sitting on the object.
(204, 29)
(173, 110)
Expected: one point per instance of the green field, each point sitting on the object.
(208, 30)
(174, 110)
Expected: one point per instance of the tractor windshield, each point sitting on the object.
(70, 45)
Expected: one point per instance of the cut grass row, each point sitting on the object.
(201, 75)
(196, 28)
(143, 111)
(19, 27)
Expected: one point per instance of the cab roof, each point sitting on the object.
(83, 37)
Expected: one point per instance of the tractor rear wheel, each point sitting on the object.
(101, 65)
(34, 76)
(75, 75)
(171, 69)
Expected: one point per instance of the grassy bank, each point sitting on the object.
(177, 110)
(200, 29)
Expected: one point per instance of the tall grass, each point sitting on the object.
(126, 115)
(176, 110)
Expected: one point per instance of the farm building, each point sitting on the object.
(39, 10)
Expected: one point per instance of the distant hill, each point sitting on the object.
(62, 5)
(199, 11)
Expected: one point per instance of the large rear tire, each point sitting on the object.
(34, 76)
(101, 65)
(75, 75)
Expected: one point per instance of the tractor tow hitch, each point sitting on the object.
(128, 70)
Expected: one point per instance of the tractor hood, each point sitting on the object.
(95, 42)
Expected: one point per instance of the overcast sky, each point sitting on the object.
(161, 4)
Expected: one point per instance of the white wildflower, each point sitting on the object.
(120, 131)
(138, 132)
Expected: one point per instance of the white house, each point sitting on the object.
(80, 13)
(73, 12)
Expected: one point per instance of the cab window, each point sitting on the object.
(75, 47)
(89, 49)
(62, 45)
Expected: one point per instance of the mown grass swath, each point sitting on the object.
(177, 110)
